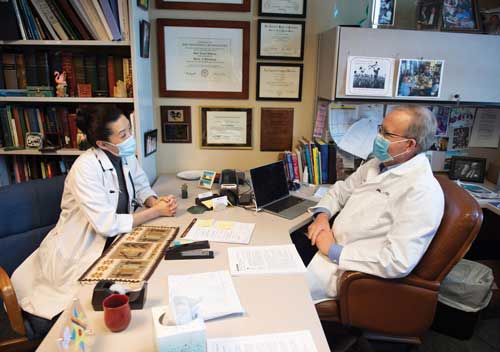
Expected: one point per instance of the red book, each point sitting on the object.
(111, 76)
(295, 167)
(73, 130)
(19, 130)
(67, 66)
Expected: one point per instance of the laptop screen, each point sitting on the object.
(269, 183)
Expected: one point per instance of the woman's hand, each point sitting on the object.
(165, 206)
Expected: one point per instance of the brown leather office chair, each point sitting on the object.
(18, 340)
(403, 309)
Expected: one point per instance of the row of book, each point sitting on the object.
(57, 124)
(21, 70)
(65, 19)
(314, 162)
(23, 168)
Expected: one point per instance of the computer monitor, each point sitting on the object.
(269, 183)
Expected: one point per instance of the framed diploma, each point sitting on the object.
(226, 128)
(283, 8)
(205, 5)
(203, 59)
(280, 40)
(279, 81)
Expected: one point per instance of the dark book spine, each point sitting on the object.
(90, 66)
(42, 64)
(2, 80)
(78, 66)
(70, 32)
(31, 69)
(118, 69)
(4, 117)
(111, 76)
(8, 19)
(102, 76)
(73, 18)
(332, 163)
(67, 66)
(9, 70)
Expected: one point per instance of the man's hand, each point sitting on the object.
(320, 224)
(324, 241)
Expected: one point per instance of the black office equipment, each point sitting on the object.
(194, 250)
(102, 290)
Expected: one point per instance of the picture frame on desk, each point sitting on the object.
(226, 128)
(468, 169)
(206, 5)
(461, 17)
(150, 142)
(383, 13)
(182, 50)
(176, 124)
(280, 40)
(144, 32)
(279, 81)
(283, 8)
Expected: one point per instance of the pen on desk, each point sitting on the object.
(189, 227)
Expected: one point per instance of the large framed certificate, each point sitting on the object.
(205, 5)
(226, 128)
(283, 8)
(281, 40)
(203, 59)
(279, 81)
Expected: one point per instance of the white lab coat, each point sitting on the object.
(47, 280)
(386, 222)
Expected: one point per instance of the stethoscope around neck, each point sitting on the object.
(135, 203)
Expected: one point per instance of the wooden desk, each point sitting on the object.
(273, 303)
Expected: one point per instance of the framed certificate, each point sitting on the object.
(176, 124)
(203, 59)
(279, 81)
(205, 5)
(281, 40)
(226, 128)
(283, 8)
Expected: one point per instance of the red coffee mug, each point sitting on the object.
(116, 312)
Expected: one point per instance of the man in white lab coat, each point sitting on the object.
(388, 210)
(102, 190)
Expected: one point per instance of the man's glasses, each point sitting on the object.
(384, 133)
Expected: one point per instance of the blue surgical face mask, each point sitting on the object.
(126, 148)
(381, 147)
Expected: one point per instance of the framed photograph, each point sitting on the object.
(428, 14)
(226, 128)
(369, 76)
(203, 59)
(207, 179)
(176, 124)
(383, 13)
(144, 32)
(205, 5)
(150, 142)
(279, 81)
(283, 8)
(465, 168)
(420, 78)
(491, 21)
(460, 16)
(280, 40)
(143, 4)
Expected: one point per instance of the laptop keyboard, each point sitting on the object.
(284, 204)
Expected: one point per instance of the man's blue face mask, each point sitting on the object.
(381, 147)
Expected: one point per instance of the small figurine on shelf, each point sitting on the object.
(184, 191)
(120, 90)
(61, 85)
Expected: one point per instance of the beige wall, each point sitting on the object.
(176, 157)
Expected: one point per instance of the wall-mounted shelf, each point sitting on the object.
(66, 100)
(64, 151)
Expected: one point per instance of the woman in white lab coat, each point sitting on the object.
(103, 188)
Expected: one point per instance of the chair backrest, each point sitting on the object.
(460, 224)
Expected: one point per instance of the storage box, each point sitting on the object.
(454, 322)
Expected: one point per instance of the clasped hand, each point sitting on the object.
(320, 234)
(165, 205)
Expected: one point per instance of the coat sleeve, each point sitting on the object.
(338, 194)
(92, 198)
(142, 188)
(416, 222)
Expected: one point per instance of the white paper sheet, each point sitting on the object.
(297, 341)
(221, 231)
(340, 119)
(214, 290)
(261, 260)
(486, 129)
(358, 139)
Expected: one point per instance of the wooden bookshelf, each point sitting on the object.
(66, 100)
(38, 43)
(59, 152)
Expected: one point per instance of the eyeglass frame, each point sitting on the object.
(383, 132)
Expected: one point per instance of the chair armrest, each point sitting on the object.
(10, 300)
(403, 307)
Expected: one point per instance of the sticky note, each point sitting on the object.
(204, 222)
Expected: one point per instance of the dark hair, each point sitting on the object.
(93, 121)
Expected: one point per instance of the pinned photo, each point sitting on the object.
(420, 78)
(369, 76)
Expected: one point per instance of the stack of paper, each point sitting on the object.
(265, 260)
(214, 291)
(221, 231)
(298, 341)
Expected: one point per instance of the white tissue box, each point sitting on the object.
(189, 337)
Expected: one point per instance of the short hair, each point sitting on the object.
(94, 121)
(422, 127)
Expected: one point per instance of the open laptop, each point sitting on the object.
(271, 192)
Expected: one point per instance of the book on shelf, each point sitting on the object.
(23, 168)
(33, 70)
(64, 20)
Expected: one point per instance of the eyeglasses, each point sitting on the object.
(384, 133)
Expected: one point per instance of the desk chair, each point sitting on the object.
(401, 310)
